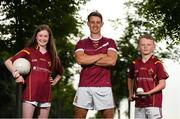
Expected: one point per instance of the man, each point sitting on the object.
(96, 54)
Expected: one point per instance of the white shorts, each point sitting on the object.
(148, 113)
(97, 98)
(39, 104)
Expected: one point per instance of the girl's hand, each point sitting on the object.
(53, 81)
(20, 79)
(16, 74)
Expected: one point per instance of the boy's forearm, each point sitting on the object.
(159, 87)
(130, 86)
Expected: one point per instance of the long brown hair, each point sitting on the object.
(51, 47)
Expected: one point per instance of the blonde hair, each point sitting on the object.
(147, 36)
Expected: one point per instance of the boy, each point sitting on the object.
(147, 74)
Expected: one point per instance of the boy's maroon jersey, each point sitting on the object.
(93, 75)
(37, 83)
(147, 76)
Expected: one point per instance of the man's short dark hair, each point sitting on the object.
(95, 13)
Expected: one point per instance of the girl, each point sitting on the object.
(42, 55)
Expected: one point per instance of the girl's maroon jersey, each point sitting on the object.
(37, 83)
(147, 76)
(93, 75)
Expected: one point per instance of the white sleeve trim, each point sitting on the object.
(112, 49)
(79, 50)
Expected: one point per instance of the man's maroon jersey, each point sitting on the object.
(147, 76)
(93, 75)
(37, 83)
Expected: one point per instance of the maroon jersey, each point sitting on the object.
(93, 75)
(37, 84)
(147, 76)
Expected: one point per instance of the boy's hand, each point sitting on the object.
(132, 97)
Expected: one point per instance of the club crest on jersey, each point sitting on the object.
(95, 45)
(150, 72)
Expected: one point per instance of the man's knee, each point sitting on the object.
(80, 112)
(108, 113)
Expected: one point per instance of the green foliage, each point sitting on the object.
(161, 19)
(7, 95)
(127, 51)
(62, 101)
(164, 11)
(24, 16)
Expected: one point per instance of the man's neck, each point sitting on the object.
(95, 37)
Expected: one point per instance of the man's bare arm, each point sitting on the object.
(109, 60)
(84, 59)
